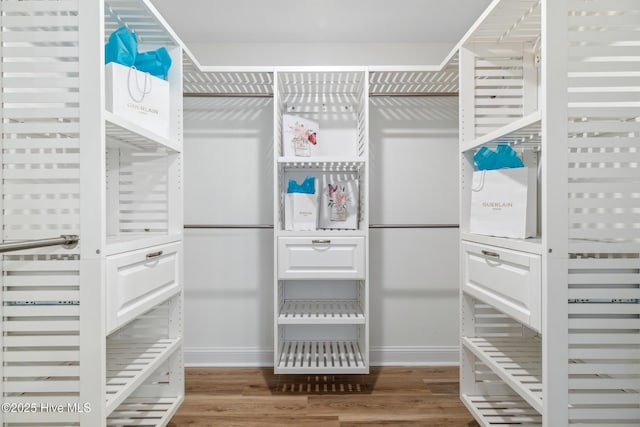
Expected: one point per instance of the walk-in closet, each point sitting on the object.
(323, 213)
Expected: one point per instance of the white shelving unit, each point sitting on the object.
(549, 325)
(321, 276)
(101, 337)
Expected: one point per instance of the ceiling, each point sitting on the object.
(320, 21)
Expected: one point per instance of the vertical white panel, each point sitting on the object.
(40, 192)
(603, 205)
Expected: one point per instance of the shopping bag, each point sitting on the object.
(303, 211)
(301, 205)
(299, 136)
(503, 203)
(138, 97)
(339, 205)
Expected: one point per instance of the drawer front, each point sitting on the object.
(139, 280)
(321, 258)
(506, 279)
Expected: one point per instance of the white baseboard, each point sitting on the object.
(380, 356)
(228, 356)
(414, 356)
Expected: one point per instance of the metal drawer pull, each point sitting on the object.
(491, 254)
(154, 254)
(321, 242)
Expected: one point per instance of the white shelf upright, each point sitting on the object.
(549, 324)
(91, 335)
(321, 284)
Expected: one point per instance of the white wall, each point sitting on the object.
(229, 273)
(414, 271)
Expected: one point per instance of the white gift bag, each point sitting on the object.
(299, 136)
(138, 97)
(503, 203)
(301, 211)
(339, 205)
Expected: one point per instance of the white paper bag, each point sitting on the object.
(340, 205)
(299, 136)
(503, 203)
(138, 97)
(301, 211)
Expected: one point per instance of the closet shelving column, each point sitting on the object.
(131, 367)
(321, 292)
(501, 278)
(549, 324)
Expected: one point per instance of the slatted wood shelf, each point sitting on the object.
(503, 411)
(321, 163)
(145, 412)
(124, 133)
(517, 361)
(130, 363)
(525, 131)
(142, 17)
(310, 357)
(302, 312)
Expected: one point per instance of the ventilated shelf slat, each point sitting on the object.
(125, 133)
(324, 164)
(139, 16)
(517, 361)
(130, 363)
(309, 357)
(525, 131)
(205, 81)
(508, 22)
(503, 411)
(300, 312)
(150, 412)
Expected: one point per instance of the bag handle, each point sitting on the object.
(481, 186)
(144, 90)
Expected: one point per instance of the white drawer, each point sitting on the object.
(508, 280)
(139, 280)
(321, 258)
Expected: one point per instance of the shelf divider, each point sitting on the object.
(502, 411)
(526, 130)
(316, 357)
(128, 134)
(130, 363)
(325, 312)
(517, 361)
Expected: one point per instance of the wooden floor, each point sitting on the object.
(389, 396)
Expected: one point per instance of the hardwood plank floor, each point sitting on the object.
(389, 396)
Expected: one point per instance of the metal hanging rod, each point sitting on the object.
(270, 95)
(231, 226)
(68, 241)
(414, 226)
(226, 95)
(414, 94)
(227, 226)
